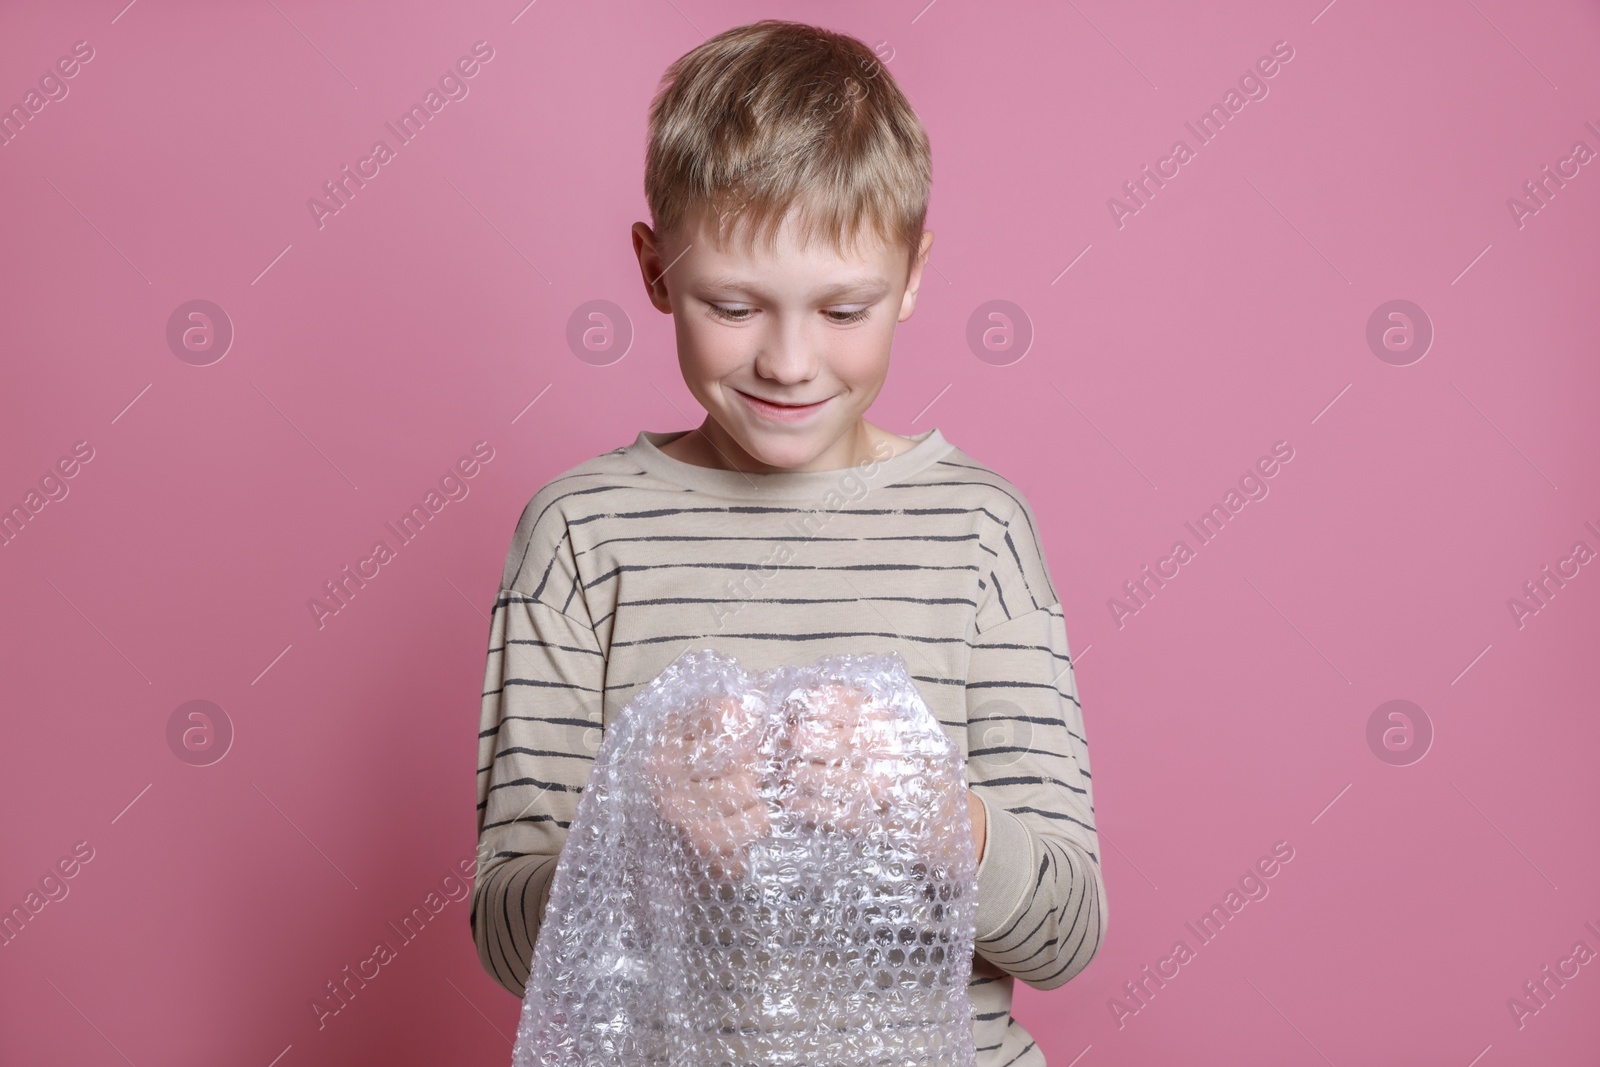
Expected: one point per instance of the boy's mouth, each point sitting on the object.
(781, 412)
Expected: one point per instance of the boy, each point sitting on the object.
(788, 182)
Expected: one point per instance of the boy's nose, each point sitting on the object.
(787, 356)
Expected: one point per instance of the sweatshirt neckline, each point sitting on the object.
(930, 447)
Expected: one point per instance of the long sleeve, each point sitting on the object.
(538, 734)
(1041, 898)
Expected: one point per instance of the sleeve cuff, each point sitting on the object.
(1005, 873)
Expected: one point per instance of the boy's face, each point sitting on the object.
(796, 326)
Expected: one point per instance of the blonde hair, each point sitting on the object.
(773, 115)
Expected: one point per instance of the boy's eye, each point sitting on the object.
(730, 314)
(743, 314)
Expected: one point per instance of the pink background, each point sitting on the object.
(1228, 314)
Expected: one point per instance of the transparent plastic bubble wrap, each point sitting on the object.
(765, 869)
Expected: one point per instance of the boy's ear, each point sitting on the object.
(651, 266)
(908, 302)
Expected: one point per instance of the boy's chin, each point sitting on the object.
(790, 447)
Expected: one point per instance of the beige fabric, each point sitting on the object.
(624, 561)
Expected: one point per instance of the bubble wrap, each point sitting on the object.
(765, 869)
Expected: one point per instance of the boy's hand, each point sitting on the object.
(980, 824)
(849, 760)
(852, 764)
(849, 763)
(831, 729)
(703, 779)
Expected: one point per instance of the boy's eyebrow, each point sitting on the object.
(867, 288)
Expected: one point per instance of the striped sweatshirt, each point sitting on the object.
(625, 561)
